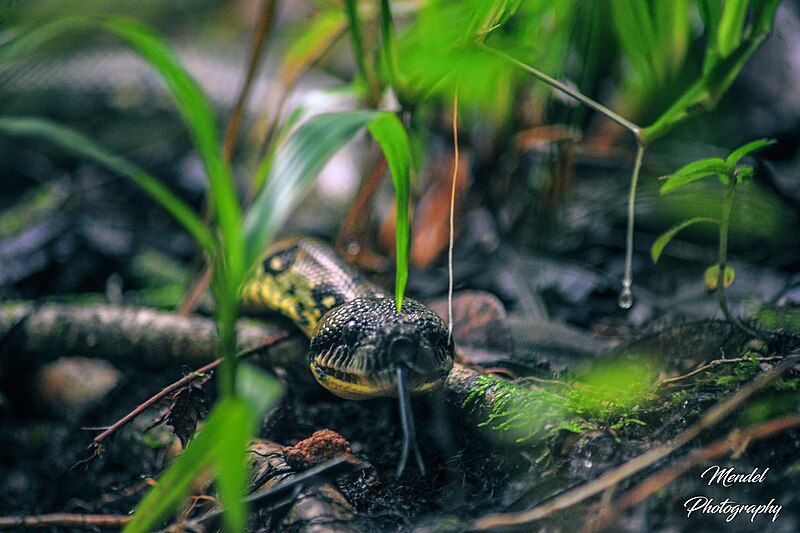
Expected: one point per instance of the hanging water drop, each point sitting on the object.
(625, 300)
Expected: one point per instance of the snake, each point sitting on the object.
(361, 345)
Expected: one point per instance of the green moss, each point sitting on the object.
(609, 396)
(522, 414)
(779, 319)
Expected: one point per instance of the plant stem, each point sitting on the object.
(625, 297)
(356, 34)
(723, 259)
(566, 89)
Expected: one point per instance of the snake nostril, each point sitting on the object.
(409, 351)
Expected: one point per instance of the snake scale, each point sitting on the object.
(361, 346)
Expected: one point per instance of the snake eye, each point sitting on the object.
(350, 331)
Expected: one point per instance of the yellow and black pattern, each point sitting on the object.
(357, 335)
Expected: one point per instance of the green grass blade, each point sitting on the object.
(174, 484)
(658, 247)
(236, 429)
(748, 149)
(84, 147)
(391, 136)
(28, 42)
(296, 163)
(198, 115)
(266, 162)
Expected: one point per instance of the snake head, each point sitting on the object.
(357, 347)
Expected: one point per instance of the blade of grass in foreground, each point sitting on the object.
(176, 482)
(86, 148)
(300, 158)
(198, 115)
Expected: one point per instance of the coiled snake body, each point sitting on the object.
(361, 346)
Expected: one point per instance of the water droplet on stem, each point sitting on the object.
(625, 300)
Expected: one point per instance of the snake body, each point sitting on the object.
(358, 338)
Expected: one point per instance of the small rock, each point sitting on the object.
(67, 387)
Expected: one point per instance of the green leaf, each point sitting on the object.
(175, 483)
(237, 428)
(710, 12)
(712, 165)
(663, 240)
(747, 149)
(266, 163)
(356, 36)
(731, 24)
(311, 43)
(198, 115)
(744, 173)
(260, 389)
(302, 155)
(712, 277)
(84, 147)
(694, 171)
(490, 15)
(389, 133)
(676, 181)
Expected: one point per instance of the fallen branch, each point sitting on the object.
(735, 443)
(91, 521)
(612, 477)
(120, 334)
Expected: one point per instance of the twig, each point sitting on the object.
(262, 32)
(169, 389)
(637, 464)
(626, 297)
(185, 380)
(285, 491)
(735, 442)
(65, 520)
(714, 363)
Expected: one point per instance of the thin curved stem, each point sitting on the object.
(724, 225)
(625, 297)
(570, 91)
(450, 272)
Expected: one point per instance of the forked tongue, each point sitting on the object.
(407, 421)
